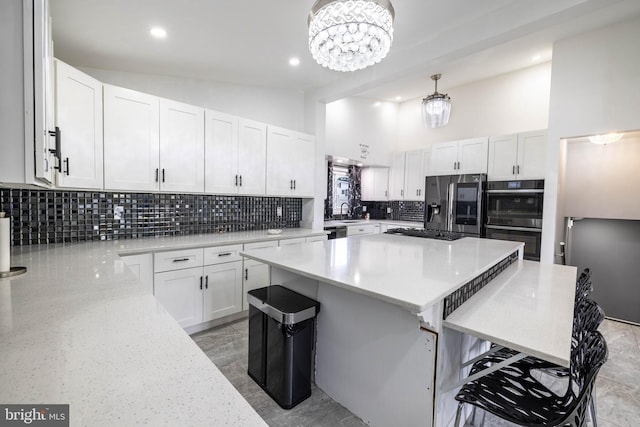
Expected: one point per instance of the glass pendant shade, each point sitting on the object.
(436, 107)
(349, 35)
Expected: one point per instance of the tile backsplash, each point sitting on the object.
(400, 210)
(48, 216)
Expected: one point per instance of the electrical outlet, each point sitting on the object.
(279, 211)
(364, 209)
(389, 210)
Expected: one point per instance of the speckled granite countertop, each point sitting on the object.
(78, 329)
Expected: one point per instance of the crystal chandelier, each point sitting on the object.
(349, 35)
(436, 107)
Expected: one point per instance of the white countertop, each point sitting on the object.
(78, 329)
(528, 307)
(411, 272)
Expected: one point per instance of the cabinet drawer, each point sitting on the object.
(177, 260)
(316, 238)
(357, 230)
(222, 254)
(294, 241)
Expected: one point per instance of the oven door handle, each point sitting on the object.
(522, 191)
(505, 227)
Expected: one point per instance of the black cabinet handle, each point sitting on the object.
(206, 282)
(157, 171)
(200, 282)
(224, 254)
(57, 151)
(294, 184)
(513, 170)
(246, 274)
(162, 174)
(236, 180)
(67, 170)
(518, 169)
(240, 180)
(181, 259)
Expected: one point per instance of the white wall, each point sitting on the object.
(508, 103)
(283, 108)
(595, 88)
(601, 181)
(356, 123)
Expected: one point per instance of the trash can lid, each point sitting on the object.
(283, 304)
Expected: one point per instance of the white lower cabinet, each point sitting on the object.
(180, 294)
(316, 238)
(222, 290)
(362, 229)
(294, 241)
(255, 274)
(193, 292)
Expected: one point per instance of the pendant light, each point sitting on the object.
(349, 35)
(436, 107)
(605, 139)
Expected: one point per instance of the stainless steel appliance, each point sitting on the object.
(514, 212)
(336, 232)
(454, 203)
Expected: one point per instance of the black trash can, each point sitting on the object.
(281, 342)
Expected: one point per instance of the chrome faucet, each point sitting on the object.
(341, 214)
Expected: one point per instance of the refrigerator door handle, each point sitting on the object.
(450, 200)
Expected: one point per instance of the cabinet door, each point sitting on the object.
(367, 184)
(472, 155)
(381, 184)
(222, 290)
(79, 117)
(444, 158)
(252, 157)
(181, 147)
(532, 155)
(302, 157)
(256, 275)
(221, 153)
(279, 162)
(502, 158)
(396, 177)
(180, 294)
(414, 175)
(131, 140)
(43, 87)
(142, 266)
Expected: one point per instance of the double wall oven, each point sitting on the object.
(514, 212)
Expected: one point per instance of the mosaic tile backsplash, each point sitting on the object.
(47, 216)
(400, 210)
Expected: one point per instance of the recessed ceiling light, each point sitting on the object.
(294, 62)
(535, 58)
(376, 104)
(158, 32)
(398, 98)
(359, 164)
(339, 160)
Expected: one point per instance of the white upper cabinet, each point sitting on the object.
(396, 176)
(252, 157)
(235, 154)
(131, 140)
(375, 184)
(79, 119)
(459, 157)
(290, 163)
(181, 147)
(416, 169)
(517, 156)
(221, 153)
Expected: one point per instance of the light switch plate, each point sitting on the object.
(279, 211)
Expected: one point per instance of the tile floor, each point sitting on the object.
(617, 386)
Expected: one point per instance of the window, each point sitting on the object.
(340, 190)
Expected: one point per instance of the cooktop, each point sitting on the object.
(429, 234)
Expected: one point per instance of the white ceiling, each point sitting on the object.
(249, 42)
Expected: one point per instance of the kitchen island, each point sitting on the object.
(383, 349)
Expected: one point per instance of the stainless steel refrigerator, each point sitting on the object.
(455, 203)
